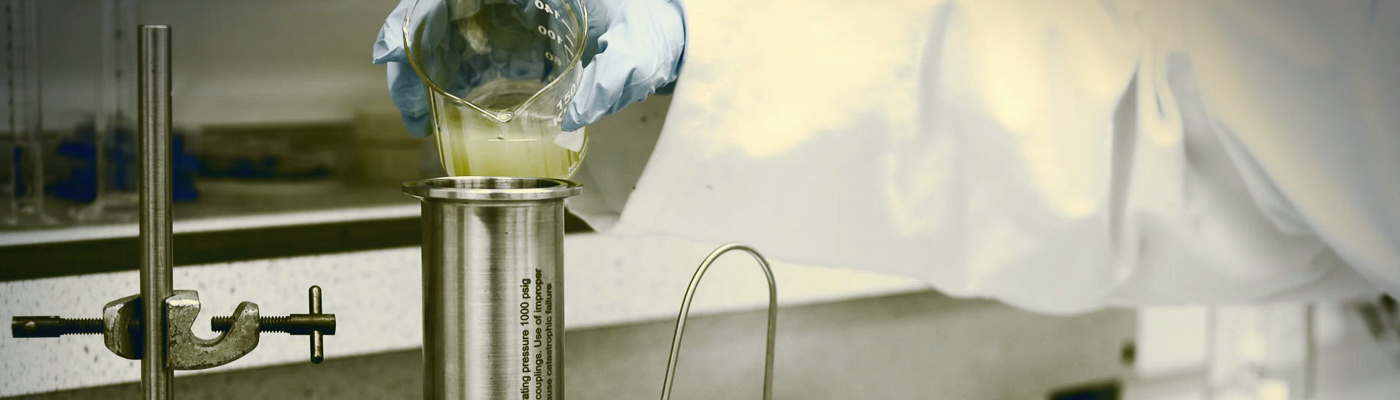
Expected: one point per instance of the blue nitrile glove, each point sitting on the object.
(634, 48)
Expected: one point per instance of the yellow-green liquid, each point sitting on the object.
(472, 143)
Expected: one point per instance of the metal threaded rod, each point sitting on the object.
(87, 326)
(50, 326)
(37, 327)
(265, 324)
(295, 324)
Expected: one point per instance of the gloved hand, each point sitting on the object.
(634, 48)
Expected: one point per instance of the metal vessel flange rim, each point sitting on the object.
(492, 188)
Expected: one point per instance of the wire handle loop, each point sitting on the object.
(685, 312)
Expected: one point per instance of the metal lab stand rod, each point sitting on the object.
(156, 256)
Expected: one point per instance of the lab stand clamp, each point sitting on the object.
(155, 325)
(121, 329)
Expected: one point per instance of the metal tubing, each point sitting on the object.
(675, 356)
(493, 287)
(156, 256)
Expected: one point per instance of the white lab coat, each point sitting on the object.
(1056, 155)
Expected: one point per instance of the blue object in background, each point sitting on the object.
(263, 167)
(185, 167)
(81, 183)
(124, 174)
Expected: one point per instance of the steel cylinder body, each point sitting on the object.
(493, 287)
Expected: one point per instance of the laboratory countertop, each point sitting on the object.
(268, 222)
(375, 294)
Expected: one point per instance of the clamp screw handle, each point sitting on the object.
(318, 349)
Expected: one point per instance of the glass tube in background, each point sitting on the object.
(23, 121)
(1261, 352)
(114, 124)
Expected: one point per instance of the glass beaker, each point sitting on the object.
(499, 75)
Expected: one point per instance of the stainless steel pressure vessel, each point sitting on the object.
(493, 287)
